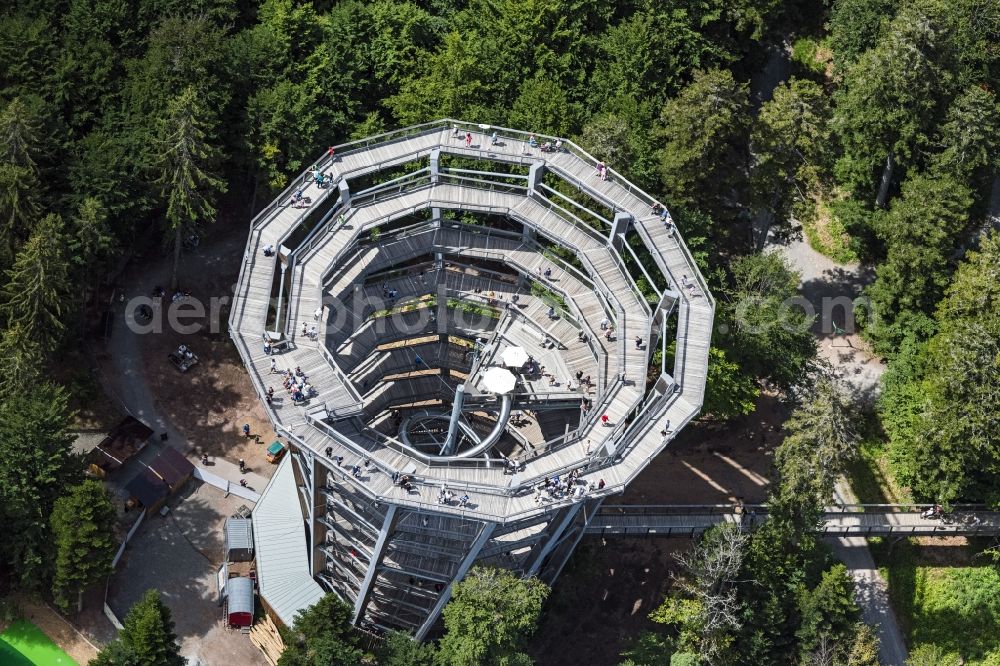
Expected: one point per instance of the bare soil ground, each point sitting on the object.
(209, 404)
(602, 600)
(713, 463)
(59, 630)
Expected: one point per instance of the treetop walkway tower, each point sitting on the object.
(483, 320)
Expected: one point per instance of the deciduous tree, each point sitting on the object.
(768, 329)
(703, 128)
(491, 614)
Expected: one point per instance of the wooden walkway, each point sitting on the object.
(691, 521)
(331, 262)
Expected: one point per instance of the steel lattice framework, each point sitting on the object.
(425, 259)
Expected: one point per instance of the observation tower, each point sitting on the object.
(484, 320)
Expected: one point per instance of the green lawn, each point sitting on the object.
(956, 608)
(24, 644)
(944, 595)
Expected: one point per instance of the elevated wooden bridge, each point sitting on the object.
(865, 520)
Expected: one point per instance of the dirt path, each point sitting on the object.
(59, 630)
(830, 290)
(204, 409)
(870, 589)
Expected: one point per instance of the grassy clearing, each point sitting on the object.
(944, 594)
(827, 234)
(955, 607)
(870, 477)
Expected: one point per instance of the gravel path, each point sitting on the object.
(825, 285)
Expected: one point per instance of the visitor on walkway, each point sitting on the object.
(267, 347)
(668, 224)
(318, 313)
(243, 466)
(688, 284)
(552, 312)
(243, 483)
(268, 250)
(330, 152)
(493, 139)
(468, 139)
(312, 332)
(532, 141)
(274, 366)
(600, 484)
(604, 420)
(604, 324)
(638, 342)
(246, 429)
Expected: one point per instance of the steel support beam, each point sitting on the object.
(456, 413)
(553, 539)
(435, 165)
(463, 569)
(345, 192)
(569, 553)
(366, 585)
(281, 294)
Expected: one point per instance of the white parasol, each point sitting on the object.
(498, 380)
(514, 357)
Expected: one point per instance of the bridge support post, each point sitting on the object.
(435, 165)
(456, 414)
(535, 174)
(619, 226)
(658, 324)
(345, 192)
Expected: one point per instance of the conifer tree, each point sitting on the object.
(186, 156)
(37, 285)
(83, 531)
